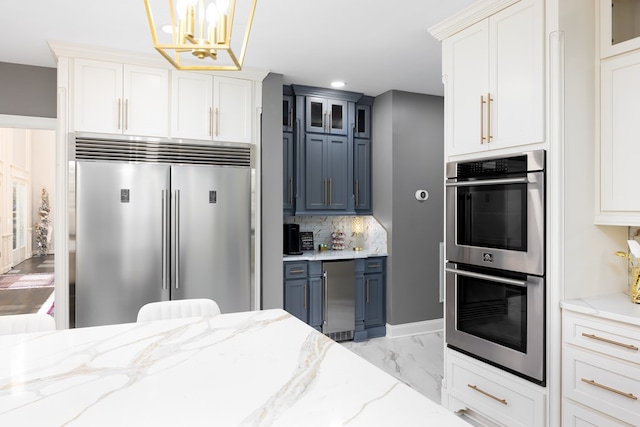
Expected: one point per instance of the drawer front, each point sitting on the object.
(610, 338)
(602, 383)
(374, 265)
(494, 395)
(295, 270)
(574, 415)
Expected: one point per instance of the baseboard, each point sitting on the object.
(415, 328)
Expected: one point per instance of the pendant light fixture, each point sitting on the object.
(201, 34)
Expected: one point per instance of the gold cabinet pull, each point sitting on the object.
(595, 337)
(324, 188)
(330, 122)
(217, 121)
(503, 401)
(297, 271)
(119, 112)
(357, 193)
(613, 390)
(330, 191)
(370, 266)
(126, 114)
(305, 295)
(367, 299)
(290, 118)
(482, 137)
(291, 190)
(489, 100)
(210, 121)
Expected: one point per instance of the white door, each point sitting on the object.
(466, 58)
(97, 98)
(232, 109)
(191, 105)
(516, 78)
(146, 101)
(19, 221)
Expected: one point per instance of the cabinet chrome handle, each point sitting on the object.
(305, 296)
(126, 114)
(608, 341)
(357, 193)
(119, 111)
(503, 401)
(613, 390)
(500, 181)
(489, 100)
(482, 137)
(296, 271)
(330, 122)
(217, 121)
(367, 298)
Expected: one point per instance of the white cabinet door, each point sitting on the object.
(516, 81)
(466, 58)
(97, 97)
(192, 105)
(232, 109)
(120, 99)
(495, 81)
(619, 130)
(146, 101)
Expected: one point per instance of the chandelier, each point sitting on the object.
(201, 34)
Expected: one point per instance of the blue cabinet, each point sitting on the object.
(288, 181)
(326, 115)
(303, 291)
(288, 116)
(362, 175)
(362, 127)
(295, 298)
(326, 175)
(370, 298)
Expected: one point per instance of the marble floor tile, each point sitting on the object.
(416, 360)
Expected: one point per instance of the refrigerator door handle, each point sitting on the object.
(325, 284)
(177, 243)
(165, 204)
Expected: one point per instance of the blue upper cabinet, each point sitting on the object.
(327, 172)
(288, 182)
(362, 175)
(288, 116)
(325, 115)
(363, 121)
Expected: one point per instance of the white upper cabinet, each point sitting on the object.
(120, 99)
(494, 81)
(211, 108)
(619, 147)
(619, 26)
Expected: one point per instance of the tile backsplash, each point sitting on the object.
(375, 236)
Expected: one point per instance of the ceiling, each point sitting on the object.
(373, 45)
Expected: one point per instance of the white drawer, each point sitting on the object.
(494, 393)
(608, 337)
(602, 383)
(574, 415)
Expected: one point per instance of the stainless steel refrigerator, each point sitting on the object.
(159, 221)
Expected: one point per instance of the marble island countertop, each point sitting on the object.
(616, 306)
(331, 255)
(262, 368)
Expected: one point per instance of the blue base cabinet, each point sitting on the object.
(370, 298)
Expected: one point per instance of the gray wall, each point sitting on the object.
(27, 91)
(408, 154)
(272, 288)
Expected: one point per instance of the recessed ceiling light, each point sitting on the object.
(338, 84)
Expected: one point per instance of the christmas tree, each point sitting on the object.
(42, 228)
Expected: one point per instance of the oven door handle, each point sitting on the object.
(523, 180)
(503, 280)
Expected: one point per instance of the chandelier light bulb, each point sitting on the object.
(223, 6)
(212, 15)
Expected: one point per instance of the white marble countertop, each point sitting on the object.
(616, 306)
(331, 255)
(262, 368)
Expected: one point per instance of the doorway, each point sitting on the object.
(27, 174)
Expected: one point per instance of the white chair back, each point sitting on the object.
(177, 309)
(23, 323)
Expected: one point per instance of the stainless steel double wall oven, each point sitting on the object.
(495, 274)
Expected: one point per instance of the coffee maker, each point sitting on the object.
(291, 239)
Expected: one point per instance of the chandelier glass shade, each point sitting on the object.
(201, 34)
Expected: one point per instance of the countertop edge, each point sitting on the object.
(617, 307)
(331, 255)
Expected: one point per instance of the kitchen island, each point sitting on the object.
(263, 368)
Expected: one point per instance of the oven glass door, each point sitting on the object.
(492, 216)
(497, 317)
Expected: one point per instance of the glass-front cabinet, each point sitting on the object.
(287, 113)
(619, 26)
(325, 115)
